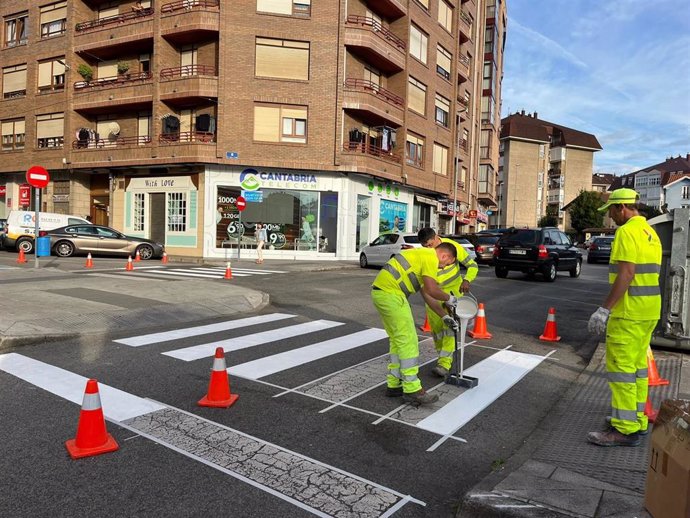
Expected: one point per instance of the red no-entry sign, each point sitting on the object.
(37, 176)
(241, 203)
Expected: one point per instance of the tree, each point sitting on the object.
(649, 212)
(550, 219)
(583, 211)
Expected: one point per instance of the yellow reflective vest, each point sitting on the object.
(403, 273)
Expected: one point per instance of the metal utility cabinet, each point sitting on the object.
(673, 329)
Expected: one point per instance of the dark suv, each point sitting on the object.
(536, 250)
(484, 243)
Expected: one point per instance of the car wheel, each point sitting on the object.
(145, 252)
(549, 272)
(575, 272)
(501, 272)
(25, 244)
(363, 262)
(64, 249)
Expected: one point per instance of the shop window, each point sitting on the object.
(276, 123)
(443, 61)
(13, 134)
(177, 211)
(17, 30)
(419, 42)
(414, 150)
(50, 130)
(363, 221)
(282, 59)
(53, 19)
(416, 96)
(51, 74)
(139, 211)
(440, 165)
(286, 7)
(14, 81)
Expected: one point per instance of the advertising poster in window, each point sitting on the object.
(227, 217)
(393, 216)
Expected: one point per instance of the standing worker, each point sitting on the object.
(406, 273)
(450, 280)
(628, 316)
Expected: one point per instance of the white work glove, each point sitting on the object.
(451, 323)
(598, 320)
(451, 302)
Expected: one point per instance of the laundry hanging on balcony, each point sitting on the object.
(171, 124)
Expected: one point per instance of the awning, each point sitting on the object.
(424, 199)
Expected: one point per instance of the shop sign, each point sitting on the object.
(472, 214)
(3, 190)
(24, 195)
(482, 218)
(253, 180)
(161, 183)
(253, 196)
(382, 188)
(60, 198)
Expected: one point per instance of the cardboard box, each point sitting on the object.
(667, 494)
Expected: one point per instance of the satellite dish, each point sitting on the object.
(114, 128)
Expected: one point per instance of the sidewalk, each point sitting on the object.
(558, 473)
(44, 304)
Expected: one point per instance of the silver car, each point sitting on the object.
(381, 249)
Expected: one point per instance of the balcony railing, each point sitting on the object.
(188, 5)
(464, 145)
(465, 61)
(110, 142)
(198, 137)
(370, 149)
(113, 20)
(113, 81)
(466, 18)
(375, 26)
(372, 88)
(188, 71)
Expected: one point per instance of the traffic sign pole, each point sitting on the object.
(37, 208)
(241, 204)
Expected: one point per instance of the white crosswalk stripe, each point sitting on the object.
(196, 272)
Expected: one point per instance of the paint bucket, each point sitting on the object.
(467, 307)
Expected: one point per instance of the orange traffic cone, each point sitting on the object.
(654, 379)
(21, 258)
(164, 260)
(649, 411)
(426, 328)
(480, 330)
(89, 261)
(137, 257)
(130, 265)
(228, 272)
(550, 329)
(219, 395)
(92, 437)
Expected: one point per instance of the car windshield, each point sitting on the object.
(411, 239)
(488, 240)
(520, 237)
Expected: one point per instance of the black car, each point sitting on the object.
(484, 243)
(3, 231)
(600, 249)
(543, 250)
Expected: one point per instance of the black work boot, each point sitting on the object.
(421, 397)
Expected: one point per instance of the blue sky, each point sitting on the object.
(619, 69)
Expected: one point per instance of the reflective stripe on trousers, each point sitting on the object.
(626, 367)
(444, 339)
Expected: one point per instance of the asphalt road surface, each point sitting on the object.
(312, 432)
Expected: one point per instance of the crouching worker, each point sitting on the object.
(450, 280)
(406, 273)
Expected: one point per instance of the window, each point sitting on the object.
(443, 61)
(463, 177)
(53, 19)
(14, 81)
(373, 76)
(189, 56)
(13, 134)
(488, 105)
(414, 150)
(51, 74)
(486, 178)
(276, 123)
(440, 165)
(442, 110)
(490, 8)
(485, 144)
(424, 4)
(177, 211)
(139, 200)
(684, 191)
(287, 7)
(465, 140)
(50, 130)
(445, 15)
(284, 59)
(17, 30)
(418, 44)
(416, 96)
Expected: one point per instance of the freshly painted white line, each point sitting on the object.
(137, 267)
(197, 352)
(117, 405)
(286, 360)
(190, 273)
(118, 276)
(243, 270)
(496, 374)
(153, 338)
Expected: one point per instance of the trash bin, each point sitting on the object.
(43, 246)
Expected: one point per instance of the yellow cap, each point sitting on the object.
(620, 196)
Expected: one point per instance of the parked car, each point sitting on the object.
(600, 249)
(542, 250)
(483, 243)
(381, 249)
(21, 226)
(466, 244)
(100, 240)
(3, 231)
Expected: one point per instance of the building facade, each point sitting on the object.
(677, 192)
(543, 166)
(335, 120)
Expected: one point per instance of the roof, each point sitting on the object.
(603, 179)
(670, 165)
(676, 177)
(528, 126)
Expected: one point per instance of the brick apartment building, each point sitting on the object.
(335, 119)
(542, 165)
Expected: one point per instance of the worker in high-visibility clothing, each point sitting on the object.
(403, 275)
(451, 281)
(628, 316)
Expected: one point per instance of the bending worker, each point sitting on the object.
(628, 316)
(450, 281)
(406, 273)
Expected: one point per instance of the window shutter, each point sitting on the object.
(416, 97)
(440, 159)
(108, 12)
(295, 113)
(107, 69)
(53, 127)
(274, 6)
(289, 62)
(52, 13)
(266, 124)
(443, 59)
(14, 81)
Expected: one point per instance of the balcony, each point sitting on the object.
(182, 84)
(110, 143)
(189, 21)
(392, 9)
(464, 145)
(465, 22)
(374, 104)
(187, 137)
(375, 43)
(463, 69)
(486, 194)
(123, 29)
(361, 157)
(103, 94)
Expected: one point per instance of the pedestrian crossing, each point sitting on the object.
(194, 272)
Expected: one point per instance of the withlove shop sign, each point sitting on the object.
(253, 180)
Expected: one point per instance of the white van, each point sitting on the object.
(21, 226)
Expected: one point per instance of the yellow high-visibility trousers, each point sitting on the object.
(444, 339)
